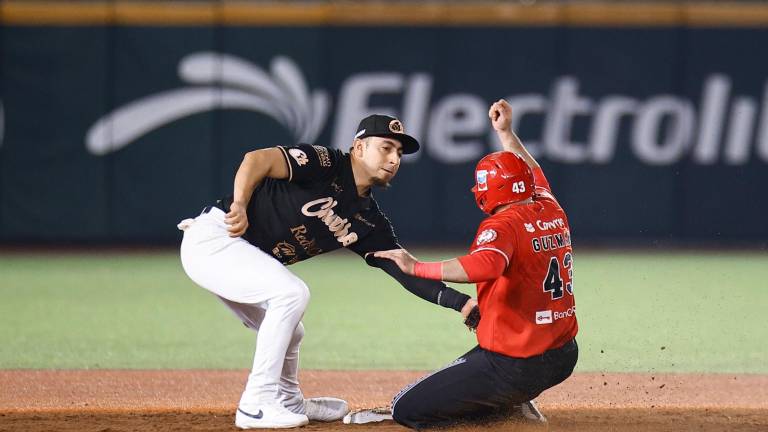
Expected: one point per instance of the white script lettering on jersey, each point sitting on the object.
(338, 226)
(548, 225)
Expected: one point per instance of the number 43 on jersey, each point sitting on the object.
(553, 283)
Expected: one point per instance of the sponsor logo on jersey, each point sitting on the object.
(365, 221)
(283, 249)
(322, 155)
(544, 317)
(309, 246)
(482, 180)
(486, 236)
(529, 227)
(565, 314)
(551, 242)
(299, 156)
(336, 225)
(549, 225)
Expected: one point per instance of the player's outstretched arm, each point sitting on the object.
(500, 114)
(483, 265)
(256, 165)
(448, 271)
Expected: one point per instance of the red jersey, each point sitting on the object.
(530, 308)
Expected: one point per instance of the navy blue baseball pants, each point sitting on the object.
(481, 385)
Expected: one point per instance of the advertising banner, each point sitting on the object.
(116, 132)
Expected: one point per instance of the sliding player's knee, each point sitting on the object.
(406, 411)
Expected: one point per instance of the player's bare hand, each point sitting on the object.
(500, 114)
(401, 257)
(237, 219)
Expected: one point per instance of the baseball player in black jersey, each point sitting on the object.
(290, 204)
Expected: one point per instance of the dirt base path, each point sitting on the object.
(202, 400)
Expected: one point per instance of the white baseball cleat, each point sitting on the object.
(325, 409)
(528, 411)
(272, 416)
(372, 415)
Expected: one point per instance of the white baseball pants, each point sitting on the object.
(261, 292)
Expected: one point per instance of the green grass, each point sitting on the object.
(637, 312)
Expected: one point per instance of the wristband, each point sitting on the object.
(428, 270)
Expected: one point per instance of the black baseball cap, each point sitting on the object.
(385, 126)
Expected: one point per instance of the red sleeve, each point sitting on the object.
(484, 265)
(496, 236)
(539, 180)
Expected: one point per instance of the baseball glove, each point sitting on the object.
(473, 319)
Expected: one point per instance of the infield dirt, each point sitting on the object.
(204, 400)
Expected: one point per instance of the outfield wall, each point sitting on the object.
(119, 119)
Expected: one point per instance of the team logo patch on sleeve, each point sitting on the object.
(300, 157)
(486, 236)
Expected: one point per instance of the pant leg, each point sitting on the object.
(481, 385)
(241, 273)
(467, 389)
(289, 392)
(531, 376)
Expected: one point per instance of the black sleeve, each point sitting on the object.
(433, 291)
(310, 162)
(383, 238)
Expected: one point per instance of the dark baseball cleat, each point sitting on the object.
(528, 412)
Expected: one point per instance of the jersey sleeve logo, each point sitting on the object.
(486, 236)
(300, 157)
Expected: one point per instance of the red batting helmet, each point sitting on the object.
(502, 178)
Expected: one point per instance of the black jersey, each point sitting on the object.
(316, 210)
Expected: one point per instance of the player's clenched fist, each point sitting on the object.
(501, 115)
(401, 257)
(237, 219)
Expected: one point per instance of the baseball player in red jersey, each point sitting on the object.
(522, 262)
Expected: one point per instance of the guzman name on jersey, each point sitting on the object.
(551, 241)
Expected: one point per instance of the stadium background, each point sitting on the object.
(118, 119)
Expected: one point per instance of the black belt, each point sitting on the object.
(221, 204)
